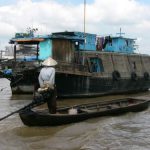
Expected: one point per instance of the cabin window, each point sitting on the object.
(96, 65)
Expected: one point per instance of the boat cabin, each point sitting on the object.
(62, 45)
(73, 50)
(119, 44)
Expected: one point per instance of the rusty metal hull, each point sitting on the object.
(85, 86)
(71, 85)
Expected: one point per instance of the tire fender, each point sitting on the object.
(116, 75)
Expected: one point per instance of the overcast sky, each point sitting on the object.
(103, 17)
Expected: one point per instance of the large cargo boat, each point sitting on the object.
(88, 65)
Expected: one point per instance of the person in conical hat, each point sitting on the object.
(49, 62)
(47, 83)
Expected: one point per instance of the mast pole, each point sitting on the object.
(84, 22)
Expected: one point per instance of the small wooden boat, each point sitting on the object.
(82, 112)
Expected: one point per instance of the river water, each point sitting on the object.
(129, 131)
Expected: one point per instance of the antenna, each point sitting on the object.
(84, 22)
(120, 33)
(84, 14)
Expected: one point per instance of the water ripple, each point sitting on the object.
(129, 131)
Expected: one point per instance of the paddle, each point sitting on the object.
(36, 102)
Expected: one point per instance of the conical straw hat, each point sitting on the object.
(49, 62)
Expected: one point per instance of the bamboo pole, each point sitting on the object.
(84, 22)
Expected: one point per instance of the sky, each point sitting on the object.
(103, 17)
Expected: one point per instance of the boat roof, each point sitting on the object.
(69, 37)
(29, 40)
(37, 39)
(72, 33)
(121, 37)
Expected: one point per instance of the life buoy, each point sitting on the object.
(134, 76)
(116, 75)
(146, 75)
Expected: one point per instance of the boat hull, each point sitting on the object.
(90, 86)
(70, 85)
(32, 118)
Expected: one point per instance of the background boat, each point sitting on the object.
(97, 66)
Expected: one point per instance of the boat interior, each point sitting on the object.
(91, 107)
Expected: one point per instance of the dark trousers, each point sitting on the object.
(51, 101)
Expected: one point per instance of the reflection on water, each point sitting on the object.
(129, 131)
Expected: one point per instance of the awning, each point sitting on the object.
(26, 41)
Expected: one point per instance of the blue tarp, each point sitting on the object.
(7, 71)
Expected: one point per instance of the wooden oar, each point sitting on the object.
(17, 111)
(34, 103)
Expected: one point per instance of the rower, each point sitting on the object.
(47, 84)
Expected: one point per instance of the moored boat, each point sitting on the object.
(82, 112)
(101, 65)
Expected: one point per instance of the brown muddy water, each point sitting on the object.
(130, 131)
